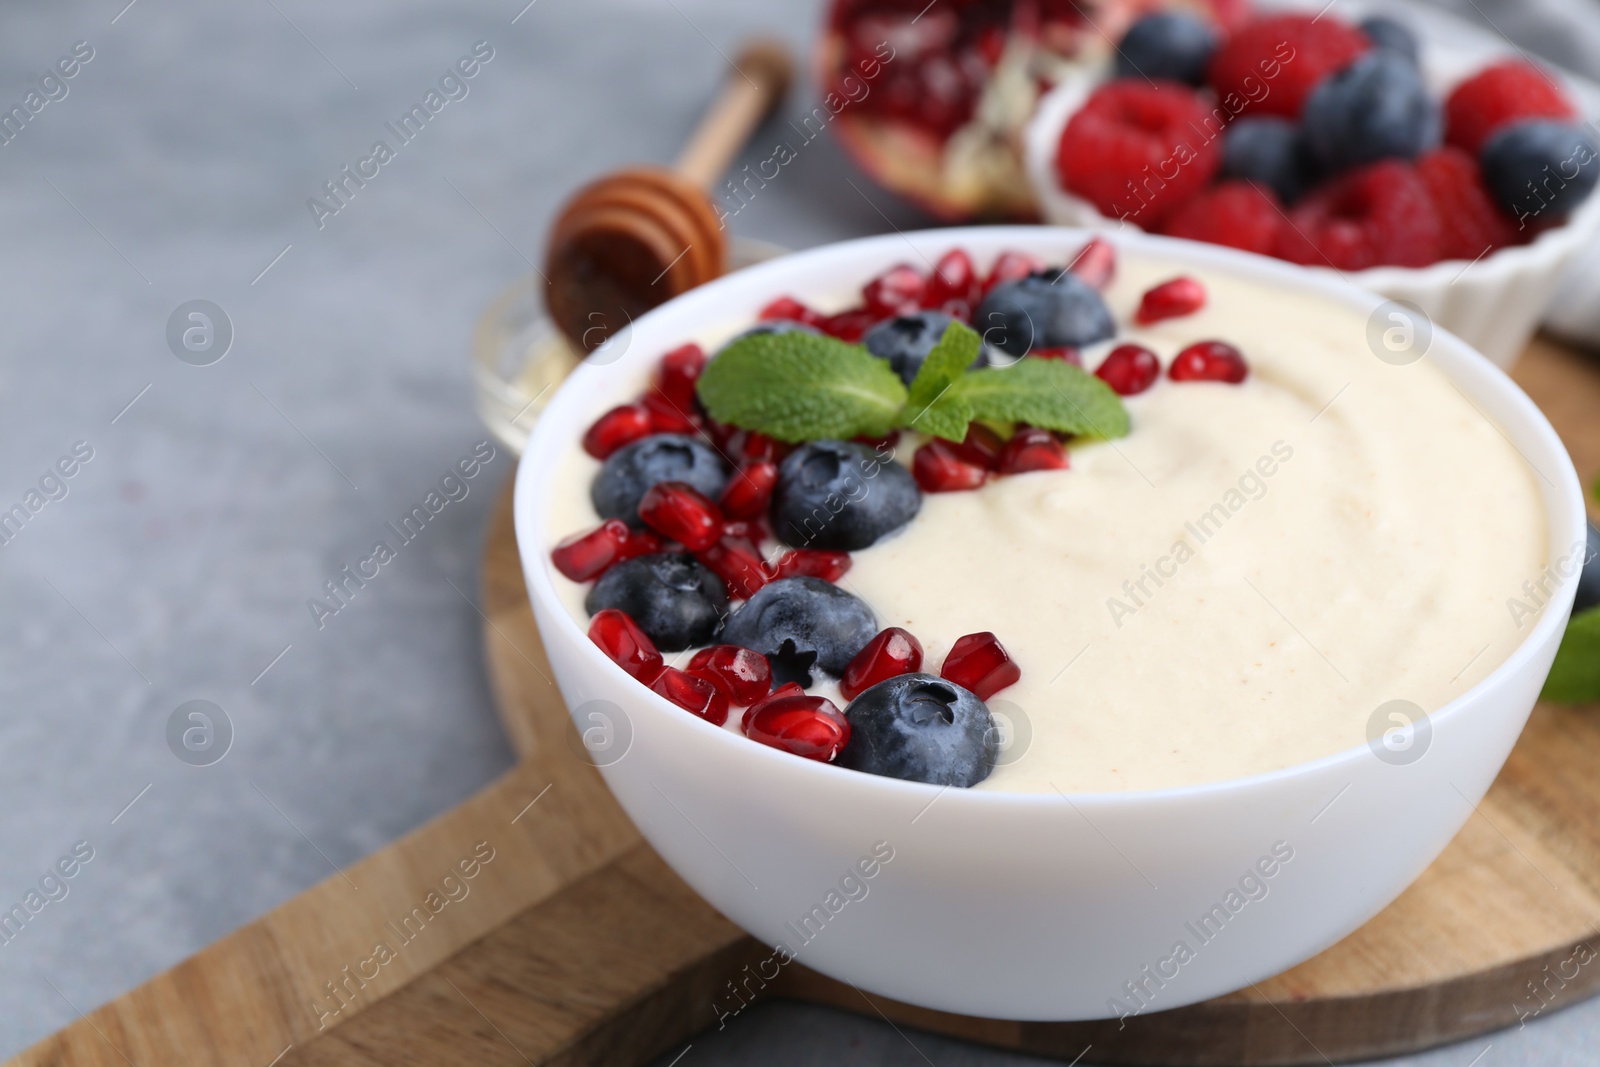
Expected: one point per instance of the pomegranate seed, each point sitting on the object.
(896, 290)
(1169, 300)
(737, 563)
(743, 675)
(960, 310)
(1129, 369)
(788, 309)
(938, 469)
(718, 433)
(678, 372)
(801, 725)
(1065, 352)
(584, 556)
(617, 427)
(747, 444)
(952, 279)
(849, 325)
(787, 689)
(894, 651)
(695, 694)
(821, 563)
(749, 490)
(666, 416)
(677, 510)
(628, 646)
(1208, 361)
(1010, 267)
(981, 447)
(980, 663)
(1032, 449)
(1095, 263)
(753, 531)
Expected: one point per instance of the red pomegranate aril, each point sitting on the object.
(892, 652)
(743, 675)
(668, 416)
(748, 444)
(788, 309)
(850, 325)
(1095, 263)
(952, 279)
(753, 531)
(1171, 299)
(980, 663)
(808, 726)
(938, 469)
(677, 373)
(620, 426)
(585, 556)
(627, 645)
(822, 563)
(1032, 449)
(679, 512)
(884, 445)
(787, 689)
(1209, 361)
(1010, 267)
(981, 447)
(1129, 369)
(694, 693)
(749, 490)
(1066, 352)
(737, 562)
(895, 291)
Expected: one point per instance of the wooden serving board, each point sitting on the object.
(574, 944)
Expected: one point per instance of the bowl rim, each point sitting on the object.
(1458, 361)
(1042, 132)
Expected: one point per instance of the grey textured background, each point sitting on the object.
(179, 564)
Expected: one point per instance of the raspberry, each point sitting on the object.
(1238, 214)
(1137, 150)
(1495, 96)
(1470, 224)
(1271, 65)
(1373, 215)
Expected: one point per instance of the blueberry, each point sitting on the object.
(801, 625)
(662, 457)
(906, 341)
(922, 729)
(1539, 169)
(1589, 580)
(1048, 309)
(1376, 108)
(840, 495)
(671, 597)
(1168, 45)
(1392, 36)
(1270, 152)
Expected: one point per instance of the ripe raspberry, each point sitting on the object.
(1271, 65)
(1497, 95)
(1373, 215)
(1238, 214)
(1137, 150)
(1469, 222)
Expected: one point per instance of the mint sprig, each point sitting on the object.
(802, 387)
(1575, 675)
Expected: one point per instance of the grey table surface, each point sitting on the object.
(175, 165)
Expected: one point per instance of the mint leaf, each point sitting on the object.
(1575, 675)
(1048, 393)
(801, 387)
(933, 407)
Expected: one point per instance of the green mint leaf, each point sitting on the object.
(1049, 393)
(932, 407)
(801, 387)
(1575, 675)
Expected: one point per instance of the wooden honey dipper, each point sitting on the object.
(633, 239)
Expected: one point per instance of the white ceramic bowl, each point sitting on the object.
(1027, 906)
(1496, 303)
